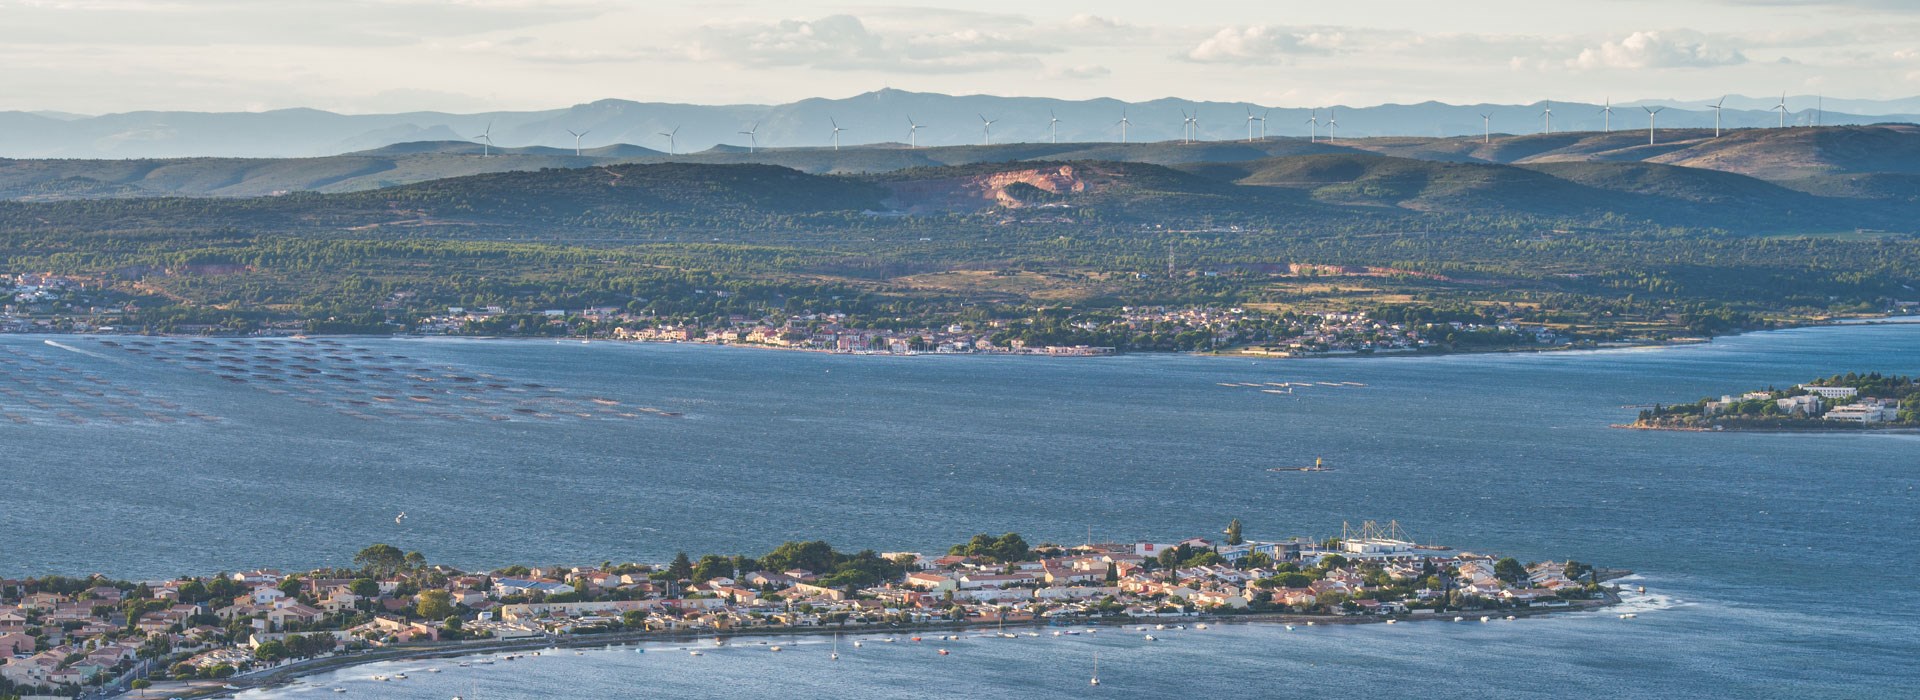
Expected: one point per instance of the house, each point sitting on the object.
(1867, 411)
(505, 587)
(15, 644)
(1832, 392)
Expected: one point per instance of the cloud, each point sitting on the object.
(1083, 72)
(1681, 49)
(1264, 43)
(844, 42)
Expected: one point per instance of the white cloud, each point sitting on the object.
(1264, 43)
(1083, 72)
(844, 42)
(1679, 49)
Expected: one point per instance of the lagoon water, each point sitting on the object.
(1777, 565)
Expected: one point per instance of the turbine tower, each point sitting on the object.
(1782, 107)
(671, 139)
(913, 133)
(1333, 125)
(486, 138)
(576, 139)
(1186, 127)
(1716, 115)
(1608, 112)
(1549, 115)
(1486, 128)
(986, 130)
(836, 132)
(753, 137)
(1652, 115)
(1053, 123)
(1313, 126)
(1250, 120)
(1263, 125)
(1123, 124)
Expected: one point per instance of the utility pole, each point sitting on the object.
(1169, 259)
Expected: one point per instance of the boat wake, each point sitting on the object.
(70, 348)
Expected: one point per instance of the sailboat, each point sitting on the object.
(1096, 669)
(835, 656)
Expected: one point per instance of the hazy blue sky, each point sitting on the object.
(464, 55)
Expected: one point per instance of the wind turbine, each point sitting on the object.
(1486, 128)
(1313, 126)
(1608, 111)
(1820, 110)
(1250, 120)
(1716, 115)
(1652, 115)
(913, 133)
(1333, 125)
(486, 137)
(1123, 124)
(576, 139)
(1053, 123)
(1263, 124)
(1549, 115)
(753, 137)
(671, 139)
(1186, 127)
(1782, 107)
(986, 130)
(836, 132)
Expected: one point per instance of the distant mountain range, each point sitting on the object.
(1871, 162)
(869, 118)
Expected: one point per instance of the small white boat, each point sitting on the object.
(1510, 617)
(1200, 626)
(857, 644)
(1457, 618)
(1628, 616)
(1392, 622)
(1150, 638)
(1289, 628)
(1096, 669)
(1484, 618)
(695, 652)
(339, 690)
(1056, 633)
(774, 648)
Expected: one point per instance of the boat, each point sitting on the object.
(1151, 638)
(1628, 616)
(1096, 669)
(857, 644)
(1056, 633)
(1510, 617)
(1200, 626)
(775, 647)
(835, 656)
(1458, 618)
(1484, 618)
(943, 652)
(695, 652)
(1320, 465)
(399, 676)
(1391, 622)
(1289, 628)
(339, 690)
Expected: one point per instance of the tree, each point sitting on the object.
(365, 587)
(380, 560)
(1233, 533)
(681, 568)
(712, 566)
(1510, 570)
(434, 605)
(271, 651)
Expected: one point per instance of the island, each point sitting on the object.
(210, 635)
(1852, 401)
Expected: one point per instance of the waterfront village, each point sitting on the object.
(71, 635)
(54, 304)
(1842, 401)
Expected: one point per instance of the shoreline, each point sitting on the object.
(1779, 431)
(286, 675)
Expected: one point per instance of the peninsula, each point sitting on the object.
(213, 634)
(1851, 401)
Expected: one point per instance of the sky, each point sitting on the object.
(365, 56)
